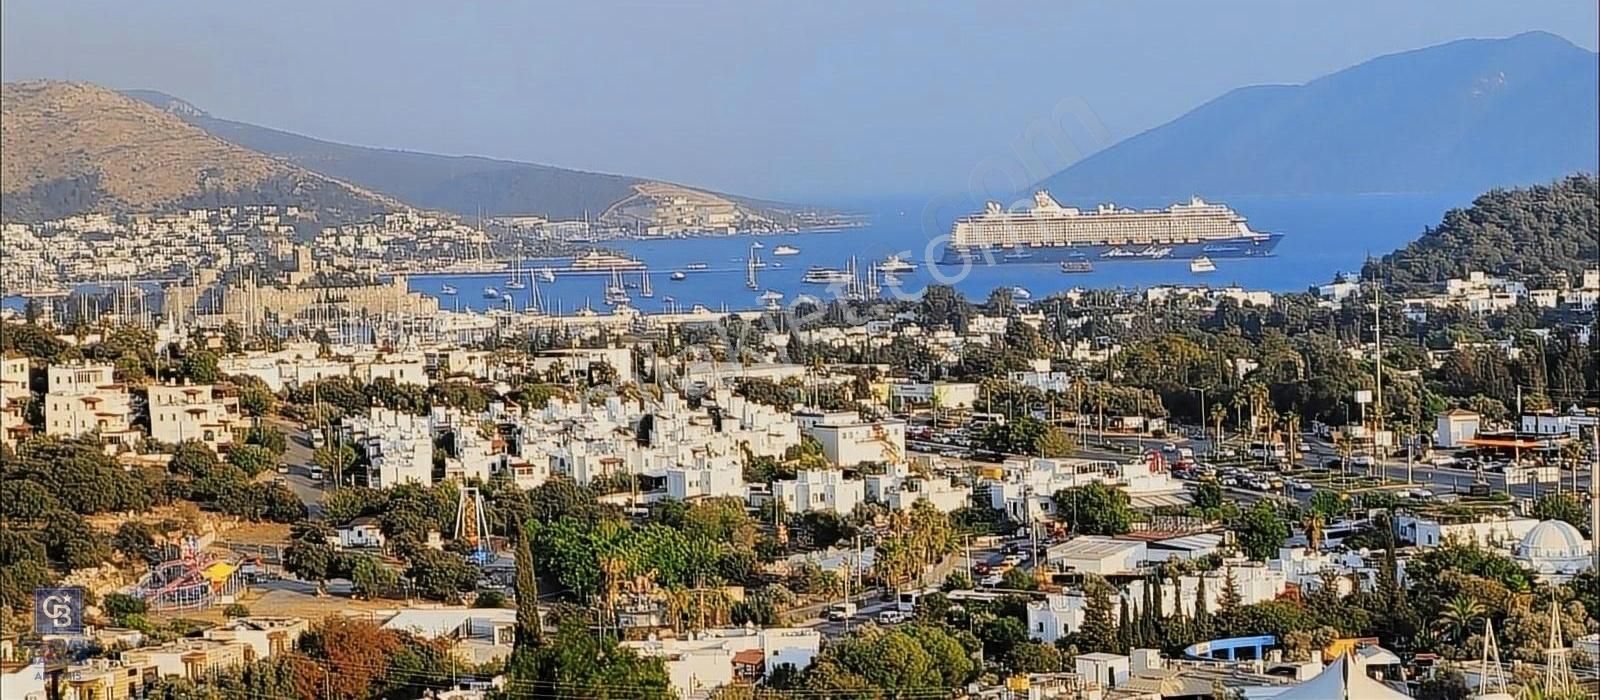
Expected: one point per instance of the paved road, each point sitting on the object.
(298, 457)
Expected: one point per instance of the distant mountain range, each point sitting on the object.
(72, 148)
(1463, 116)
(466, 185)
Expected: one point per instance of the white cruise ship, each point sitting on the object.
(1049, 232)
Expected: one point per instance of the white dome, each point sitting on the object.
(1553, 539)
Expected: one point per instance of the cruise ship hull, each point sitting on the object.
(1258, 246)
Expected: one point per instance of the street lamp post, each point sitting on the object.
(1202, 391)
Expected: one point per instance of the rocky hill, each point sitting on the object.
(1547, 234)
(1459, 117)
(72, 148)
(469, 185)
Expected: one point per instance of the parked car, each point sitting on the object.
(841, 611)
(990, 581)
(892, 617)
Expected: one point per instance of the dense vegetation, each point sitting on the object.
(1542, 233)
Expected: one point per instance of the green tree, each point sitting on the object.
(200, 367)
(578, 663)
(1260, 531)
(1055, 442)
(1095, 509)
(440, 575)
(370, 578)
(530, 628)
(252, 459)
(1099, 629)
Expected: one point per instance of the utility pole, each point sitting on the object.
(1594, 494)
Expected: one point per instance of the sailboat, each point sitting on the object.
(535, 304)
(750, 269)
(616, 291)
(448, 290)
(644, 286)
(516, 276)
(547, 274)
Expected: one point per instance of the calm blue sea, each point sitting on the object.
(1322, 237)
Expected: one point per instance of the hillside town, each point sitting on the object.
(1160, 493)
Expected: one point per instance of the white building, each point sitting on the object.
(899, 487)
(1454, 427)
(200, 412)
(712, 658)
(398, 446)
(1027, 487)
(1094, 554)
(267, 636)
(819, 490)
(1496, 533)
(1555, 550)
(943, 394)
(708, 477)
(83, 398)
(476, 635)
(401, 368)
(854, 442)
(361, 533)
(14, 391)
(1061, 614)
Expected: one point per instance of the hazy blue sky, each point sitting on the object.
(785, 100)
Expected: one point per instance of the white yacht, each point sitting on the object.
(785, 250)
(895, 263)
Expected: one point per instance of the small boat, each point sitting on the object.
(491, 293)
(1202, 264)
(1021, 293)
(547, 274)
(696, 266)
(769, 300)
(757, 245)
(1077, 264)
(890, 279)
(785, 250)
(679, 276)
(448, 290)
(895, 263)
(1018, 254)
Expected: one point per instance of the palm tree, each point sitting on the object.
(1458, 616)
(1218, 412)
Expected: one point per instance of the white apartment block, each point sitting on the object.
(707, 478)
(14, 392)
(198, 412)
(1495, 533)
(710, 659)
(83, 398)
(819, 490)
(1027, 487)
(899, 488)
(857, 442)
(398, 446)
(401, 368)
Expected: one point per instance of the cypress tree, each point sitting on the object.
(530, 630)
